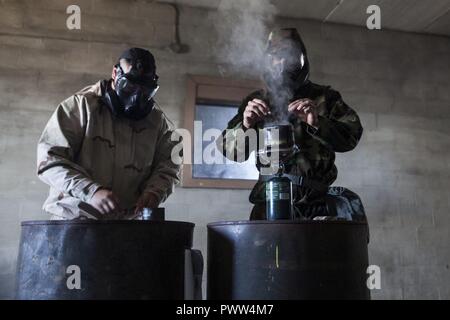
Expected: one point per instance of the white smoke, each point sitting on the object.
(242, 28)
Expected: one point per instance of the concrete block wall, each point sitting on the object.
(397, 82)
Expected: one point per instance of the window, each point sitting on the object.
(210, 104)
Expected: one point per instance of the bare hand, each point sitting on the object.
(254, 112)
(306, 110)
(146, 200)
(105, 201)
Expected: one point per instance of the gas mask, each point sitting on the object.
(287, 68)
(132, 96)
(286, 63)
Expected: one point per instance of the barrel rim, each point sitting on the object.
(284, 222)
(103, 222)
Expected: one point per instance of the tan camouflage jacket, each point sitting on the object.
(83, 147)
(339, 131)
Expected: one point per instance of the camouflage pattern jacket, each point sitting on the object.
(339, 131)
(84, 147)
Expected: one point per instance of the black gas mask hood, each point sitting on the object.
(133, 92)
(286, 63)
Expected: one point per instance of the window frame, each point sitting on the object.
(216, 90)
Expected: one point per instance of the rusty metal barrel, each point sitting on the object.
(287, 260)
(90, 259)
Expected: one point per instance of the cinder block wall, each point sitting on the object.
(397, 82)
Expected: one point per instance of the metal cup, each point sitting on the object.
(153, 214)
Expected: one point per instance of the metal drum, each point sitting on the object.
(103, 259)
(287, 260)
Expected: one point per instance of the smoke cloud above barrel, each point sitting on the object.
(242, 28)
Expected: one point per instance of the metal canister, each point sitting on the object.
(278, 198)
(154, 214)
(277, 139)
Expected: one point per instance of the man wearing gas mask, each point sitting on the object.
(106, 150)
(322, 123)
